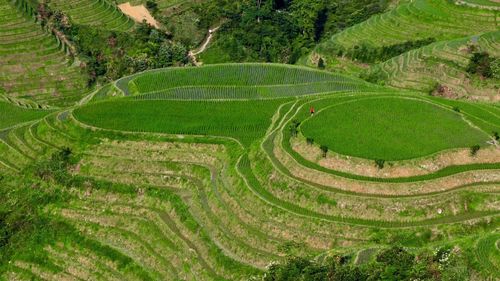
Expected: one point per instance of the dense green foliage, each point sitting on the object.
(24, 227)
(484, 65)
(395, 263)
(112, 54)
(278, 31)
(390, 129)
(109, 54)
(371, 54)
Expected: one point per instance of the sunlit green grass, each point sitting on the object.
(243, 120)
(11, 114)
(390, 129)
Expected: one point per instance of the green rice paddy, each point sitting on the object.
(245, 121)
(195, 173)
(390, 129)
(11, 115)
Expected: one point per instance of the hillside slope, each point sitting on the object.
(418, 19)
(204, 173)
(441, 28)
(100, 13)
(32, 64)
(443, 64)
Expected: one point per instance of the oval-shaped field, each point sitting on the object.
(390, 128)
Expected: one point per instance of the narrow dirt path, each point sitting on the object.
(203, 47)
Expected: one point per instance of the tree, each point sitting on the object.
(152, 6)
(324, 150)
(474, 150)
(321, 63)
(380, 163)
(480, 63)
(397, 262)
(496, 136)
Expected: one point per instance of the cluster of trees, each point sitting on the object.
(484, 65)
(280, 30)
(108, 55)
(395, 263)
(367, 53)
(24, 225)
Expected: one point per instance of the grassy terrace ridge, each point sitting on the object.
(264, 78)
(102, 13)
(187, 189)
(483, 3)
(32, 64)
(470, 111)
(442, 62)
(419, 19)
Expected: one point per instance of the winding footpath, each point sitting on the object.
(193, 53)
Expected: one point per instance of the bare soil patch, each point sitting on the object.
(138, 13)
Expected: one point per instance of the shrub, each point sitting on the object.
(324, 149)
(495, 68)
(152, 6)
(294, 127)
(380, 163)
(480, 63)
(456, 109)
(438, 89)
(474, 149)
(496, 136)
(310, 141)
(56, 167)
(367, 53)
(374, 75)
(321, 63)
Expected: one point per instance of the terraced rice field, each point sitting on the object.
(32, 64)
(243, 120)
(237, 81)
(101, 13)
(390, 128)
(454, 26)
(415, 20)
(444, 63)
(168, 198)
(11, 114)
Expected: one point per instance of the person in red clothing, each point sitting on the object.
(311, 110)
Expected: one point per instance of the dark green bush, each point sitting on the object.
(324, 150)
(474, 149)
(380, 163)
